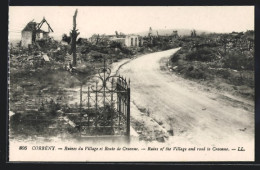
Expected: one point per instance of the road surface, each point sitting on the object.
(196, 116)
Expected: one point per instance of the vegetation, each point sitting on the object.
(204, 55)
(225, 58)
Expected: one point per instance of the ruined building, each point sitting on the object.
(131, 40)
(174, 34)
(150, 33)
(33, 33)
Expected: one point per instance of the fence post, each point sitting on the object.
(118, 102)
(112, 105)
(128, 113)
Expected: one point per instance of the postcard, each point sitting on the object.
(131, 83)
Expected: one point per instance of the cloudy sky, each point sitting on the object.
(107, 20)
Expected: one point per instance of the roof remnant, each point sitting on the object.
(36, 27)
(31, 26)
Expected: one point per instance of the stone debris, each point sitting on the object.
(45, 57)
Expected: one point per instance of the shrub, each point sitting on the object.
(141, 50)
(239, 61)
(50, 108)
(115, 44)
(125, 50)
(175, 57)
(204, 54)
(224, 73)
(195, 71)
(196, 74)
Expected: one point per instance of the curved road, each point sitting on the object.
(196, 116)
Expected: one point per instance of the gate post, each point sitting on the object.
(128, 113)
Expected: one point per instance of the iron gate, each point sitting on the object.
(107, 109)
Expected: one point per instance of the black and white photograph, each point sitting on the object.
(131, 83)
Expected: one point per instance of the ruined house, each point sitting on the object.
(133, 41)
(96, 38)
(33, 33)
(126, 40)
(129, 40)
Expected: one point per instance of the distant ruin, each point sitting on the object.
(131, 40)
(33, 33)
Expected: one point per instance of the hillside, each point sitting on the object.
(222, 61)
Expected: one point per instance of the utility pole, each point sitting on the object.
(74, 33)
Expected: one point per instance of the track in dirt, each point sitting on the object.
(195, 116)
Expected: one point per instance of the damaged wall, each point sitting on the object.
(26, 38)
(32, 32)
(133, 41)
(42, 36)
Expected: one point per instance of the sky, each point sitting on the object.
(107, 20)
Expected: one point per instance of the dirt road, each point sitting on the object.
(196, 116)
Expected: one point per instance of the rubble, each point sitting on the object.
(45, 57)
(43, 68)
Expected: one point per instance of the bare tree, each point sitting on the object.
(193, 33)
(73, 34)
(116, 34)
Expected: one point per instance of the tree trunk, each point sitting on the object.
(73, 47)
(74, 35)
